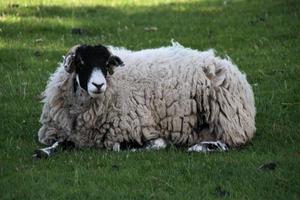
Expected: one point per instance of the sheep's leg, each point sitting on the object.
(156, 144)
(208, 146)
(49, 151)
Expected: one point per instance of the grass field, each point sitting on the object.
(262, 38)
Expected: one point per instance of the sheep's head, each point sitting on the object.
(91, 65)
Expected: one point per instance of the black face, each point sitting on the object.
(91, 65)
(89, 58)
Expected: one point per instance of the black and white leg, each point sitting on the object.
(49, 151)
(46, 152)
(156, 144)
(208, 146)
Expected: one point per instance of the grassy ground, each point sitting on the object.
(262, 37)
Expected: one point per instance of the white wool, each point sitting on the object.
(181, 95)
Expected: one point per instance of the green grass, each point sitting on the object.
(262, 38)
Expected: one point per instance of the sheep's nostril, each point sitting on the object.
(98, 86)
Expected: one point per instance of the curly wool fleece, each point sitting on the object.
(182, 95)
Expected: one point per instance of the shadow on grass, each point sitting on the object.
(172, 20)
(200, 24)
(42, 11)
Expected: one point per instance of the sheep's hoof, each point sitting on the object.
(208, 146)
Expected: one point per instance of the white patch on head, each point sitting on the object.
(96, 78)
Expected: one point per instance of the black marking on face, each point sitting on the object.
(75, 85)
(87, 59)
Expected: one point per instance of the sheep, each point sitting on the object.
(113, 98)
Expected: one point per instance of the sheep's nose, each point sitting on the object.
(98, 86)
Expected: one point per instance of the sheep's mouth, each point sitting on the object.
(97, 92)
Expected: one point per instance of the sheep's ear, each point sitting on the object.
(69, 60)
(113, 62)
